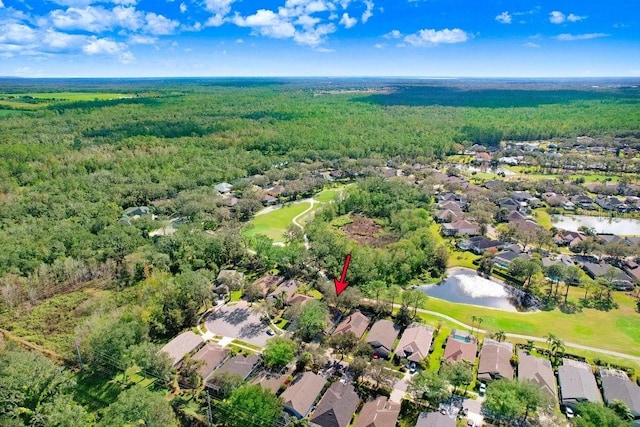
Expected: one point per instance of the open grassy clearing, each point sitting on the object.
(327, 195)
(622, 326)
(274, 224)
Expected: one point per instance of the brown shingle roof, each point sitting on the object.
(457, 350)
(378, 413)
(272, 381)
(435, 419)
(355, 323)
(289, 287)
(495, 360)
(212, 355)
(415, 342)
(539, 371)
(337, 406)
(302, 392)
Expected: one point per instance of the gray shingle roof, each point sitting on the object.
(435, 419)
(302, 392)
(240, 365)
(337, 406)
(184, 343)
(382, 335)
(577, 383)
(616, 385)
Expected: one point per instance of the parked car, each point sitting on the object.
(569, 412)
(270, 332)
(412, 367)
(483, 389)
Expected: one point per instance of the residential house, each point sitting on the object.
(509, 204)
(275, 191)
(460, 227)
(223, 187)
(231, 278)
(299, 298)
(211, 355)
(539, 371)
(494, 185)
(435, 419)
(337, 406)
(272, 381)
(447, 215)
(285, 290)
(577, 383)
(616, 385)
(268, 200)
(584, 202)
(300, 396)
(554, 200)
(267, 283)
(239, 365)
(451, 205)
(565, 260)
(382, 335)
(515, 216)
(503, 259)
(356, 323)
(135, 212)
(564, 238)
(229, 201)
(495, 360)
(621, 281)
(460, 346)
(415, 343)
(483, 158)
(521, 196)
(478, 245)
(632, 269)
(380, 412)
(182, 345)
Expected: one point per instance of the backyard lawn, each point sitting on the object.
(274, 224)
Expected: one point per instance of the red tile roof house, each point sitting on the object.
(378, 413)
(337, 406)
(495, 360)
(356, 323)
(460, 346)
(415, 343)
(302, 394)
(382, 336)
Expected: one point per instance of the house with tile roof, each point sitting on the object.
(356, 323)
(495, 360)
(460, 346)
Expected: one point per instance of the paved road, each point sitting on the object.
(238, 321)
(525, 337)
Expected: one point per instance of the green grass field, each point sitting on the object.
(326, 195)
(273, 224)
(622, 325)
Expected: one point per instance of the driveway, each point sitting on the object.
(238, 321)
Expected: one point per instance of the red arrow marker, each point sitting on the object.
(341, 284)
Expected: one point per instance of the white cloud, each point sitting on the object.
(17, 34)
(368, 13)
(379, 45)
(267, 23)
(393, 34)
(1, 4)
(62, 41)
(430, 37)
(315, 36)
(107, 46)
(160, 25)
(183, 7)
(324, 50)
(574, 37)
(556, 17)
(504, 18)
(91, 19)
(140, 39)
(348, 21)
(127, 17)
(575, 18)
(239, 41)
(221, 7)
(531, 45)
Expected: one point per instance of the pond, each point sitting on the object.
(466, 287)
(606, 225)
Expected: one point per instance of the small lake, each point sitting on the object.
(606, 225)
(466, 287)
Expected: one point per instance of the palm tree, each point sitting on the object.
(499, 335)
(550, 338)
(480, 320)
(474, 319)
(557, 346)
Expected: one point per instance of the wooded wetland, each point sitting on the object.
(97, 292)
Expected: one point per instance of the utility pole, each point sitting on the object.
(75, 342)
(209, 412)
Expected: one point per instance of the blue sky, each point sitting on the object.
(420, 38)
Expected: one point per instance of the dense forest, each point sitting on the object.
(69, 168)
